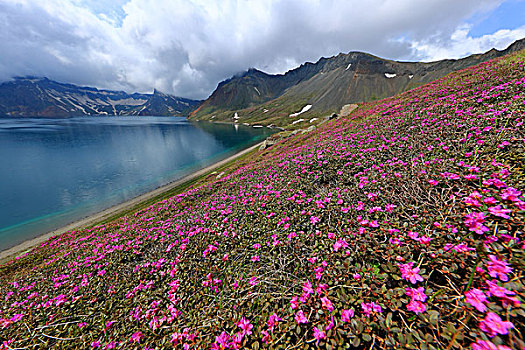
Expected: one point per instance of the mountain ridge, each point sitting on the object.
(42, 97)
(256, 97)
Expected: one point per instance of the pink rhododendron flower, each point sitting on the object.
(327, 304)
(347, 314)
(416, 294)
(318, 335)
(272, 320)
(474, 221)
(340, 243)
(307, 287)
(500, 212)
(510, 194)
(410, 273)
(498, 291)
(136, 337)
(492, 324)
(498, 268)
(300, 317)
(486, 345)
(369, 308)
(223, 340)
(416, 306)
(246, 326)
(476, 298)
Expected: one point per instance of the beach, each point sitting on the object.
(115, 210)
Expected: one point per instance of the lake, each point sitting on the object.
(57, 171)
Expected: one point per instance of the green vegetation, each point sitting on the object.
(400, 226)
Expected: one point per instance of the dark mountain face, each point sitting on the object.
(327, 85)
(41, 97)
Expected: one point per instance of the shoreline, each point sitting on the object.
(91, 220)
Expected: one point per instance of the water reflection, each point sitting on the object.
(56, 171)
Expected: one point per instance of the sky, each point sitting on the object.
(186, 47)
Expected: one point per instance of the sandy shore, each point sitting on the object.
(101, 216)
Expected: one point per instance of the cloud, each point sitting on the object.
(461, 44)
(186, 47)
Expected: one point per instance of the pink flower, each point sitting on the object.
(327, 304)
(409, 273)
(498, 268)
(272, 320)
(476, 298)
(490, 200)
(300, 318)
(136, 337)
(474, 221)
(416, 306)
(307, 287)
(246, 326)
(369, 308)
(511, 194)
(314, 220)
(318, 335)
(498, 291)
(486, 345)
(223, 340)
(356, 276)
(255, 258)
(347, 315)
(416, 294)
(498, 211)
(492, 324)
(340, 243)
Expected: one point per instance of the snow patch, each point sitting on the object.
(257, 90)
(298, 121)
(265, 110)
(305, 109)
(410, 76)
(390, 75)
(313, 120)
(236, 116)
(348, 67)
(257, 126)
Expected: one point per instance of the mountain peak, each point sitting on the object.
(41, 97)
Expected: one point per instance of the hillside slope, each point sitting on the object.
(398, 226)
(327, 85)
(42, 97)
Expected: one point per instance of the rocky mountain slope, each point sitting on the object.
(327, 85)
(42, 97)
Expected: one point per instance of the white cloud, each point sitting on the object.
(186, 47)
(461, 44)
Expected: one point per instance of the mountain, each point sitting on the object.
(42, 97)
(327, 85)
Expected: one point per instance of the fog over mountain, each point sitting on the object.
(185, 47)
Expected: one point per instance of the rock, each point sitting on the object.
(312, 128)
(347, 109)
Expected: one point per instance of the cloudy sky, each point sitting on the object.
(185, 47)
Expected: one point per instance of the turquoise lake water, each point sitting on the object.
(56, 171)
